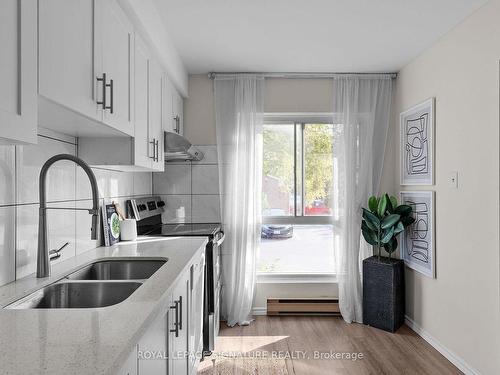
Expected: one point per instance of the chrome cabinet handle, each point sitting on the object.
(103, 101)
(176, 323)
(177, 124)
(111, 94)
(180, 312)
(153, 142)
(157, 150)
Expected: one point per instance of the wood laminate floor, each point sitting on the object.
(292, 345)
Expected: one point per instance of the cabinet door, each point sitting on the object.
(168, 110)
(180, 113)
(143, 150)
(179, 336)
(67, 74)
(153, 348)
(177, 116)
(195, 330)
(116, 46)
(156, 114)
(18, 59)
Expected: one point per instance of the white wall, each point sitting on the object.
(460, 308)
(67, 186)
(281, 95)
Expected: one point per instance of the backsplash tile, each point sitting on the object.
(67, 186)
(172, 203)
(61, 176)
(7, 175)
(83, 223)
(7, 244)
(205, 179)
(61, 228)
(143, 184)
(193, 185)
(27, 237)
(205, 209)
(176, 179)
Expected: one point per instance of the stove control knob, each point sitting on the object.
(160, 204)
(141, 207)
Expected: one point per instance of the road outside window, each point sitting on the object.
(297, 232)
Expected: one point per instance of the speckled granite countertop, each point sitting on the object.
(89, 341)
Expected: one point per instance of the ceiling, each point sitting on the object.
(307, 35)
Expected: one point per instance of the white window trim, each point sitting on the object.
(295, 278)
(311, 117)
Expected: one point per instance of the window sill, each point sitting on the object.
(295, 278)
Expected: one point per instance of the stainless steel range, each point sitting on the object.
(147, 212)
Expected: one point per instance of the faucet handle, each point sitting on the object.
(56, 253)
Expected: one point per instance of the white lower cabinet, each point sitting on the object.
(180, 326)
(173, 343)
(195, 332)
(153, 347)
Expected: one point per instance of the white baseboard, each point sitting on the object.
(448, 354)
(259, 311)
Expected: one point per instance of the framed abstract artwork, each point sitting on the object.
(416, 128)
(417, 240)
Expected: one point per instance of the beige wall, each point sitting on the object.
(460, 308)
(282, 95)
(199, 114)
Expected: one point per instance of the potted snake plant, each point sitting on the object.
(383, 277)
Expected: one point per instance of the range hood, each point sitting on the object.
(179, 148)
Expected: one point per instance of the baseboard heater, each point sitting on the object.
(303, 306)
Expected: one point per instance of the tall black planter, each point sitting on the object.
(383, 293)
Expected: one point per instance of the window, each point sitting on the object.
(297, 231)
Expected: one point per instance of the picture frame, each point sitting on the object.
(417, 241)
(416, 129)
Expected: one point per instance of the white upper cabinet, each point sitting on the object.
(168, 108)
(143, 150)
(85, 68)
(177, 112)
(18, 102)
(149, 91)
(66, 55)
(115, 46)
(156, 78)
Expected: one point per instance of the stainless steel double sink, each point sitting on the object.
(99, 284)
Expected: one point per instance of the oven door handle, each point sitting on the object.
(220, 240)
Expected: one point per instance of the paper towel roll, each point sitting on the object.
(128, 229)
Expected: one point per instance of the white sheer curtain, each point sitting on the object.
(361, 107)
(239, 117)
